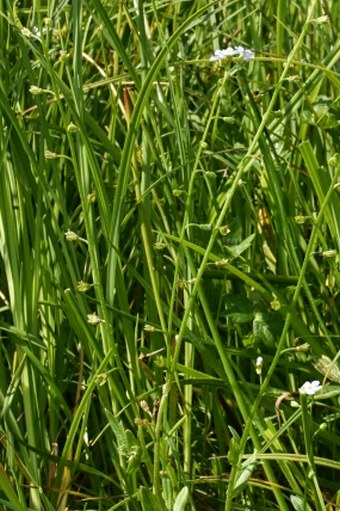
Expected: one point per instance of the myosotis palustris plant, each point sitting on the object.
(168, 219)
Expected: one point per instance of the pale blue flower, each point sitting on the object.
(310, 388)
(246, 54)
(239, 51)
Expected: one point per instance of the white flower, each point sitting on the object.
(233, 52)
(310, 388)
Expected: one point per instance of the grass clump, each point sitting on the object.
(169, 255)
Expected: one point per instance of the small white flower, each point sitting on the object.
(233, 52)
(310, 388)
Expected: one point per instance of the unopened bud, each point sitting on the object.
(71, 236)
(259, 365)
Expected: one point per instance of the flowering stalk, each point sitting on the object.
(309, 389)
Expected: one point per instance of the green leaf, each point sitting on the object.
(245, 472)
(262, 331)
(149, 501)
(234, 451)
(299, 503)
(307, 117)
(236, 250)
(9, 491)
(181, 499)
(119, 432)
(134, 459)
(239, 308)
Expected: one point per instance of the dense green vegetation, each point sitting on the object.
(169, 255)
